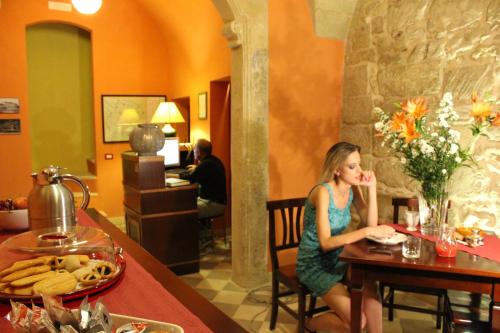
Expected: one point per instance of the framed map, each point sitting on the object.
(121, 113)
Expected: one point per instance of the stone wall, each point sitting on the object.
(398, 49)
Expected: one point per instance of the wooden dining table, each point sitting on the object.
(147, 289)
(467, 272)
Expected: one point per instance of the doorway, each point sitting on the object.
(220, 136)
(59, 58)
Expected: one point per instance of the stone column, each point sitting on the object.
(246, 30)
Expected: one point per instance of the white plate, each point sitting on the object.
(393, 240)
(120, 320)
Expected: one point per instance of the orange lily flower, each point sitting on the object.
(398, 120)
(480, 111)
(417, 107)
(496, 121)
(409, 132)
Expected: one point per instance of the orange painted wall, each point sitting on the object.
(139, 47)
(305, 79)
(128, 58)
(199, 53)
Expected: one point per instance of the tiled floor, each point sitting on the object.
(251, 308)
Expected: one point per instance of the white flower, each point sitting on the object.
(448, 97)
(403, 160)
(453, 148)
(441, 139)
(379, 126)
(458, 159)
(455, 135)
(444, 172)
(434, 134)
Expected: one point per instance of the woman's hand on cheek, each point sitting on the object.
(368, 178)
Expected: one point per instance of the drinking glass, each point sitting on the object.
(412, 219)
(411, 247)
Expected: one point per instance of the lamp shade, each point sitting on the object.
(129, 117)
(87, 6)
(167, 113)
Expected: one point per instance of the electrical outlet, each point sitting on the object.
(108, 156)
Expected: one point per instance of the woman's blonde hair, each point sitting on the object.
(334, 159)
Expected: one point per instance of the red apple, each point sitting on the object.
(21, 203)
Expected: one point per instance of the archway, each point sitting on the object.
(246, 30)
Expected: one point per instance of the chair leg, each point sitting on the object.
(302, 312)
(439, 308)
(312, 305)
(391, 304)
(274, 304)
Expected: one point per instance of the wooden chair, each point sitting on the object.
(466, 312)
(388, 300)
(289, 223)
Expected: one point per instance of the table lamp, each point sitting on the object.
(167, 113)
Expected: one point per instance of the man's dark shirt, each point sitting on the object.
(211, 176)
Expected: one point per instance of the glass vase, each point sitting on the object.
(433, 212)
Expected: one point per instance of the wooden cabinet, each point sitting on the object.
(161, 219)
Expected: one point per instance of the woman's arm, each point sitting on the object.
(367, 212)
(320, 199)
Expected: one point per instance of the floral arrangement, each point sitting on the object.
(429, 150)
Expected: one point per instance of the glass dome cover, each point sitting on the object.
(58, 242)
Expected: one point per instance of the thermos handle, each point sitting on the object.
(85, 189)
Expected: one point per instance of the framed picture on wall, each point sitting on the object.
(202, 105)
(10, 126)
(9, 105)
(121, 113)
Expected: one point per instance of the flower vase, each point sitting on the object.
(433, 213)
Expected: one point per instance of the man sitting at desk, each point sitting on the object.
(210, 174)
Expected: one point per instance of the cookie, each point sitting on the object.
(71, 262)
(29, 280)
(61, 283)
(23, 291)
(22, 264)
(79, 273)
(25, 272)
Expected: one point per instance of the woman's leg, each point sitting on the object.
(372, 307)
(337, 298)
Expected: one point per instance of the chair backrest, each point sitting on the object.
(291, 214)
(411, 203)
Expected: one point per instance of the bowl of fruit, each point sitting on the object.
(14, 214)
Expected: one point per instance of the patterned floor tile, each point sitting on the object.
(212, 284)
(249, 312)
(230, 297)
(228, 309)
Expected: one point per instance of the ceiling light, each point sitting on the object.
(87, 6)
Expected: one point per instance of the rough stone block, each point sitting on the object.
(391, 80)
(462, 81)
(360, 135)
(423, 79)
(356, 81)
(357, 110)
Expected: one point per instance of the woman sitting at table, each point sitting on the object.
(326, 215)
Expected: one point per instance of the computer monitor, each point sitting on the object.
(170, 152)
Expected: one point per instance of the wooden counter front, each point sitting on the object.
(161, 219)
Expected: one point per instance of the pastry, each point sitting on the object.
(59, 284)
(29, 280)
(105, 269)
(25, 272)
(79, 273)
(71, 262)
(90, 279)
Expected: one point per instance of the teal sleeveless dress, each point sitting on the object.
(316, 269)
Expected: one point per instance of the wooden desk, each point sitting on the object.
(465, 272)
(161, 219)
